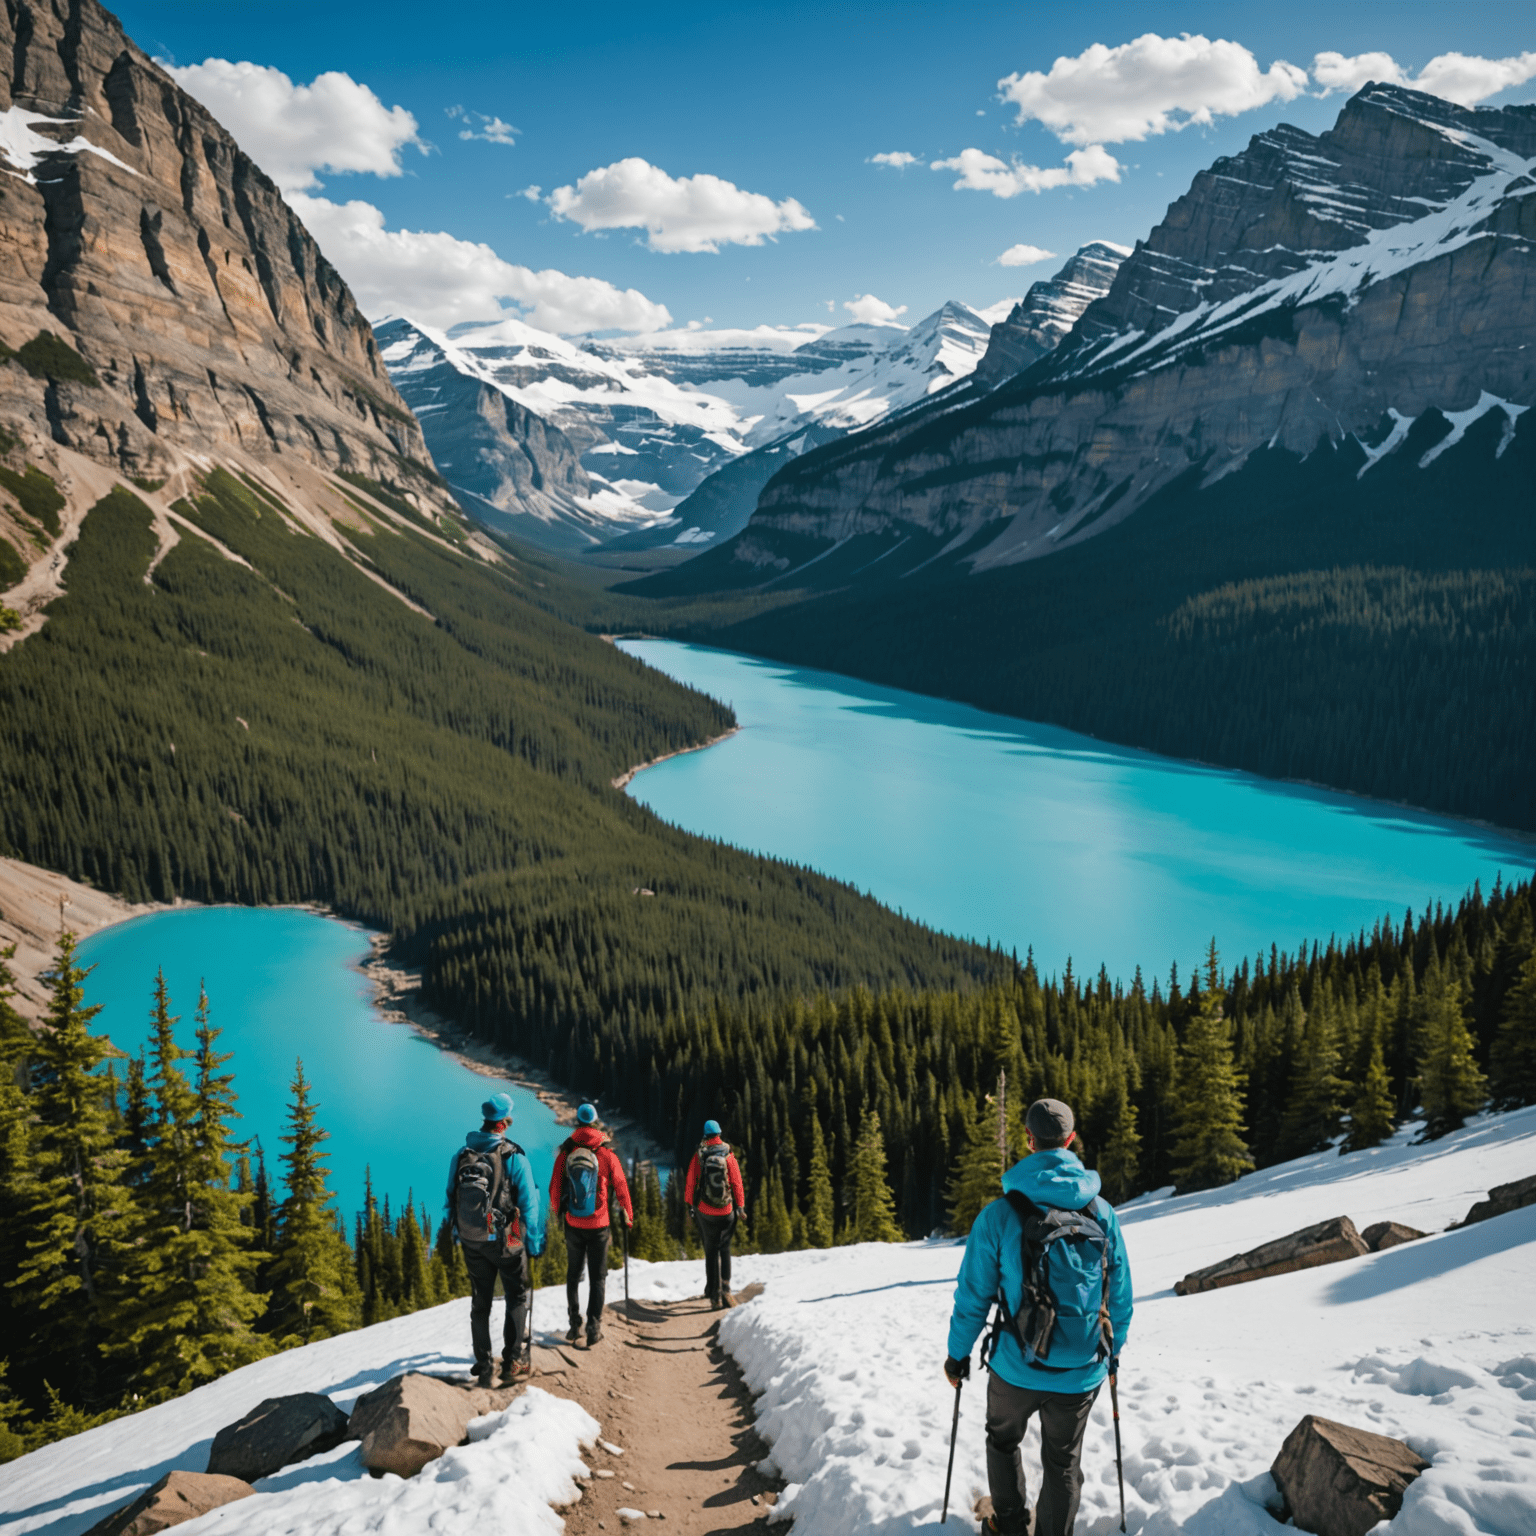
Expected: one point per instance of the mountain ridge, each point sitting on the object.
(1080, 439)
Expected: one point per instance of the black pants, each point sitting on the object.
(1063, 1421)
(586, 1248)
(484, 1265)
(715, 1233)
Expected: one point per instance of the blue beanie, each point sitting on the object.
(586, 1115)
(711, 1127)
(497, 1107)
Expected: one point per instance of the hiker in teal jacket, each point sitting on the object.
(1060, 1391)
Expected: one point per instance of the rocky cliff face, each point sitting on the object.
(507, 465)
(191, 312)
(1043, 318)
(1311, 289)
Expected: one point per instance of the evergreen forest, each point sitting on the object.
(1375, 634)
(255, 717)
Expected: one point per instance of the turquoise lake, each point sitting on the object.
(1028, 835)
(283, 983)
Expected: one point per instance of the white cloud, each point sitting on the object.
(1460, 77)
(437, 278)
(868, 310)
(1024, 256)
(478, 126)
(687, 213)
(1148, 86)
(294, 131)
(981, 172)
(896, 157)
(534, 193)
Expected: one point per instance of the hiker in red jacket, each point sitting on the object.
(588, 1178)
(713, 1197)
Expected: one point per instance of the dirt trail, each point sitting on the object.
(674, 1402)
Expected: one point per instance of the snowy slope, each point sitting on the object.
(520, 1462)
(653, 418)
(1434, 1342)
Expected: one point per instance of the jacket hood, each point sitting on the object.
(588, 1136)
(1055, 1178)
(483, 1141)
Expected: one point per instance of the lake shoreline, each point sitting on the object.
(30, 898)
(38, 904)
(397, 1000)
(623, 780)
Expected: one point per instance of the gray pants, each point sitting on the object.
(1063, 1421)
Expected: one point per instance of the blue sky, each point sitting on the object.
(785, 105)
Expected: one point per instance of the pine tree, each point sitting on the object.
(873, 1217)
(649, 1238)
(1450, 1085)
(187, 1310)
(15, 1146)
(79, 1207)
(14, 1437)
(1314, 1109)
(1208, 1147)
(774, 1232)
(1372, 1117)
(314, 1288)
(818, 1196)
(1514, 1048)
(1119, 1165)
(976, 1178)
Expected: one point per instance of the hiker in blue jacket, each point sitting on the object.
(493, 1205)
(1089, 1281)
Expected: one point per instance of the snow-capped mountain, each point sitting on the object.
(629, 430)
(1042, 319)
(1314, 289)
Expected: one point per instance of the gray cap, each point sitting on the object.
(1049, 1120)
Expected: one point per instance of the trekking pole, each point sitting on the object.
(528, 1341)
(1114, 1403)
(624, 1239)
(954, 1429)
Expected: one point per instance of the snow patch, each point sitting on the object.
(24, 147)
(1373, 456)
(517, 1464)
(1461, 420)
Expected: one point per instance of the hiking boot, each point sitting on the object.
(515, 1370)
(573, 1333)
(485, 1373)
(594, 1333)
(1020, 1523)
(726, 1300)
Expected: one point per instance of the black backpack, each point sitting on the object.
(1066, 1288)
(483, 1206)
(714, 1174)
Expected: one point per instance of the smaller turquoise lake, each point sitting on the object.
(995, 828)
(284, 983)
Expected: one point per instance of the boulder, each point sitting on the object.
(1506, 1198)
(177, 1497)
(1388, 1234)
(413, 1419)
(276, 1433)
(1341, 1481)
(1326, 1243)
